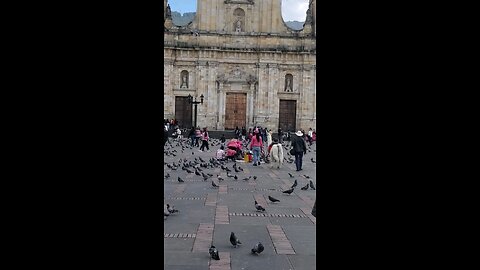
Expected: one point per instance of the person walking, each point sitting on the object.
(205, 140)
(299, 148)
(256, 146)
(276, 153)
(198, 134)
(280, 135)
(191, 135)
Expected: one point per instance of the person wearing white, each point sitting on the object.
(276, 153)
(179, 134)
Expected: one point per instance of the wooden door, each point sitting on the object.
(183, 112)
(235, 110)
(288, 115)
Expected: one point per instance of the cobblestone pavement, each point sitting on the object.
(208, 215)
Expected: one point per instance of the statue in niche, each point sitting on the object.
(184, 79)
(168, 14)
(238, 26)
(288, 83)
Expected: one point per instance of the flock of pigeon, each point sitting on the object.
(199, 167)
(257, 248)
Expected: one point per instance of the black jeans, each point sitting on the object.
(298, 160)
(204, 144)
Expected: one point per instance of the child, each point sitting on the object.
(220, 153)
(276, 154)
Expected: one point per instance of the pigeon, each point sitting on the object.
(291, 175)
(214, 253)
(288, 191)
(240, 168)
(294, 184)
(180, 180)
(305, 187)
(235, 177)
(254, 177)
(234, 240)
(219, 178)
(167, 176)
(306, 176)
(166, 213)
(258, 248)
(313, 161)
(213, 184)
(273, 199)
(197, 172)
(311, 185)
(247, 178)
(171, 209)
(259, 207)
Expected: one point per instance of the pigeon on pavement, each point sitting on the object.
(288, 191)
(258, 248)
(213, 184)
(180, 180)
(171, 209)
(234, 240)
(311, 185)
(291, 175)
(305, 187)
(213, 253)
(259, 207)
(273, 199)
(294, 184)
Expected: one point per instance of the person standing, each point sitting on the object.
(269, 137)
(310, 136)
(223, 139)
(280, 135)
(299, 148)
(198, 134)
(256, 146)
(205, 140)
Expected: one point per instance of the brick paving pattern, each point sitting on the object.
(208, 215)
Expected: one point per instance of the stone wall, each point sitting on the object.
(220, 59)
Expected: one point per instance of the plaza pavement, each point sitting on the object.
(208, 215)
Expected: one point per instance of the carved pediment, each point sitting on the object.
(237, 75)
(250, 2)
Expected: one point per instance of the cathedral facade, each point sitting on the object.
(250, 67)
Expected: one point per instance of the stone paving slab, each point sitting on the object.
(178, 244)
(290, 221)
(303, 262)
(185, 258)
(247, 261)
(217, 206)
(302, 238)
(176, 227)
(248, 235)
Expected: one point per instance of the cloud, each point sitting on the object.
(294, 10)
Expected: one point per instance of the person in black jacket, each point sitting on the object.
(299, 148)
(165, 136)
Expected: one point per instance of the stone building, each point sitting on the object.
(250, 67)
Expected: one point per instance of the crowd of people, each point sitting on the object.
(257, 140)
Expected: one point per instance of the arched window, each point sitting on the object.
(239, 20)
(289, 83)
(184, 79)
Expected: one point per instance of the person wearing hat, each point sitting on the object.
(276, 152)
(256, 146)
(299, 148)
